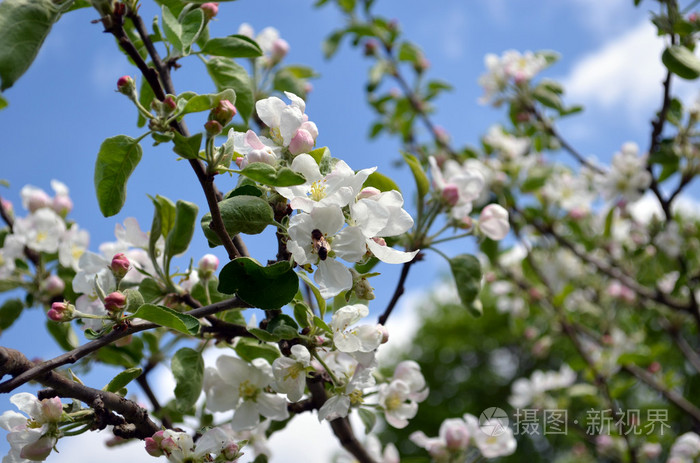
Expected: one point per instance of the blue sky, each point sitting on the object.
(65, 105)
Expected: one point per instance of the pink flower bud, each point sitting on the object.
(302, 142)
(208, 262)
(280, 48)
(120, 265)
(308, 88)
(7, 206)
(210, 9)
(310, 127)
(126, 86)
(450, 194)
(169, 102)
(654, 367)
(37, 199)
(61, 312)
(53, 285)
(379, 240)
(239, 162)
(223, 112)
(230, 451)
(368, 192)
(456, 434)
(62, 205)
(385, 333)
(52, 409)
(153, 448)
(38, 450)
(371, 47)
(213, 128)
(115, 302)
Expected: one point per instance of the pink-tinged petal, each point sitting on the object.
(390, 255)
(311, 128)
(349, 244)
(246, 416)
(332, 278)
(290, 121)
(302, 142)
(436, 174)
(252, 139)
(38, 450)
(493, 222)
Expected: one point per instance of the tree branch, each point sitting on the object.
(76, 354)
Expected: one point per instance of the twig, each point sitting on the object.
(80, 352)
(657, 129)
(138, 424)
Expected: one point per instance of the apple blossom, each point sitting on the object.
(533, 391)
(72, 245)
(285, 121)
(509, 147)
(290, 372)
(627, 178)
(493, 222)
(497, 443)
(252, 148)
(469, 184)
(33, 437)
(363, 338)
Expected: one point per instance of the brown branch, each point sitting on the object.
(80, 352)
(137, 423)
(657, 128)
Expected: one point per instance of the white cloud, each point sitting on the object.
(648, 206)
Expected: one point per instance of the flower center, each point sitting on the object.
(248, 391)
(318, 190)
(356, 397)
(276, 135)
(41, 236)
(393, 402)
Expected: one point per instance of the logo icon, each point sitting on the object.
(493, 421)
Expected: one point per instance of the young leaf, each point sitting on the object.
(241, 214)
(9, 312)
(192, 25)
(268, 175)
(172, 28)
(422, 182)
(317, 293)
(368, 417)
(116, 161)
(681, 61)
(163, 221)
(122, 379)
(187, 366)
(165, 316)
(268, 287)
(233, 46)
(24, 25)
(227, 74)
(198, 103)
(179, 237)
(187, 147)
(466, 270)
(249, 349)
(381, 182)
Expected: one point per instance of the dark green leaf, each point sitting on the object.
(268, 175)
(163, 222)
(192, 25)
(122, 379)
(145, 97)
(263, 335)
(3, 102)
(117, 159)
(302, 313)
(265, 287)
(422, 182)
(241, 214)
(233, 46)
(24, 25)
(63, 334)
(245, 190)
(466, 270)
(285, 81)
(283, 326)
(227, 74)
(250, 349)
(187, 147)
(178, 239)
(165, 316)
(9, 312)
(208, 101)
(681, 61)
(187, 366)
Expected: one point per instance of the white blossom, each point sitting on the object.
(627, 178)
(290, 372)
(31, 437)
(532, 391)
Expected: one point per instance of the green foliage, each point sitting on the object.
(9, 312)
(240, 214)
(178, 238)
(228, 74)
(681, 61)
(233, 46)
(165, 316)
(120, 381)
(466, 271)
(187, 366)
(116, 161)
(422, 182)
(268, 175)
(268, 287)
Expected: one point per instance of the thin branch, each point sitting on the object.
(657, 128)
(138, 424)
(80, 352)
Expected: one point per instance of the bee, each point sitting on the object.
(320, 244)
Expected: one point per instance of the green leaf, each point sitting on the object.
(163, 221)
(302, 314)
(284, 327)
(187, 147)
(681, 61)
(63, 334)
(263, 335)
(116, 161)
(233, 46)
(146, 95)
(187, 366)
(165, 316)
(268, 175)
(409, 52)
(249, 349)
(3, 102)
(9, 312)
(331, 44)
(285, 81)
(122, 379)
(227, 74)
(534, 183)
(208, 101)
(301, 72)
(319, 323)
(380, 182)
(268, 287)
(172, 28)
(178, 239)
(24, 25)
(368, 417)
(466, 270)
(191, 25)
(422, 182)
(609, 217)
(547, 97)
(319, 154)
(240, 214)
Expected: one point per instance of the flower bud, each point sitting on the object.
(450, 194)
(61, 312)
(115, 302)
(153, 447)
(456, 434)
(371, 47)
(385, 333)
(7, 207)
(493, 222)
(210, 9)
(207, 266)
(169, 102)
(302, 142)
(127, 86)
(308, 87)
(120, 265)
(62, 205)
(230, 451)
(310, 127)
(35, 199)
(280, 48)
(213, 128)
(52, 409)
(368, 192)
(223, 112)
(53, 285)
